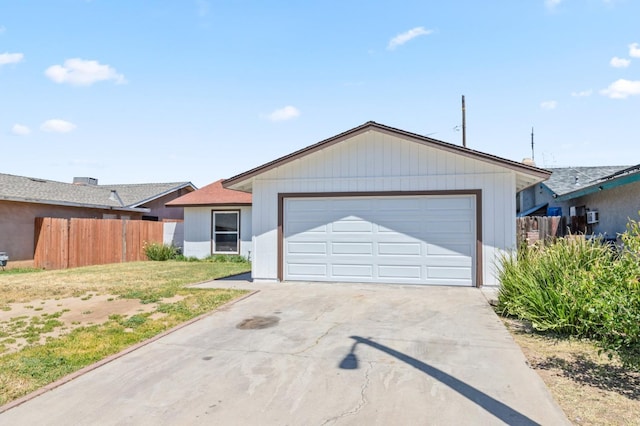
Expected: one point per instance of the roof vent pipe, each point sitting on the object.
(113, 196)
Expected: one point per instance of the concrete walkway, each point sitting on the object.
(316, 354)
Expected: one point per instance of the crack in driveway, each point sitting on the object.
(361, 403)
(317, 340)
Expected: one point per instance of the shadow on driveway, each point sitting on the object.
(492, 405)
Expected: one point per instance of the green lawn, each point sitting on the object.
(150, 283)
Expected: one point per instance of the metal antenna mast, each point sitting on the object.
(464, 124)
(532, 152)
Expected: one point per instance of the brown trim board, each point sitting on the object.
(477, 193)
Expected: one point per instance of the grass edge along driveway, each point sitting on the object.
(39, 364)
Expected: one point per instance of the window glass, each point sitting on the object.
(226, 222)
(227, 243)
(225, 232)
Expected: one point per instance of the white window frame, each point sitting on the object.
(214, 232)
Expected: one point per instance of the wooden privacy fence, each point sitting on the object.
(70, 243)
(532, 229)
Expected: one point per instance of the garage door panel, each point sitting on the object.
(405, 239)
(351, 205)
(299, 227)
(449, 227)
(392, 272)
(307, 269)
(319, 248)
(407, 226)
(351, 271)
(403, 205)
(450, 249)
(400, 249)
(350, 248)
(444, 273)
(449, 203)
(351, 225)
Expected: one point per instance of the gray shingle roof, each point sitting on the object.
(127, 197)
(564, 180)
(134, 195)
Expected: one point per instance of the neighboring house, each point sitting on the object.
(594, 200)
(22, 199)
(216, 221)
(379, 204)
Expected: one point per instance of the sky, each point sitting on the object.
(198, 90)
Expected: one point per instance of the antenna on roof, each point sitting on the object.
(533, 156)
(464, 124)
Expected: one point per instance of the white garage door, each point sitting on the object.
(403, 239)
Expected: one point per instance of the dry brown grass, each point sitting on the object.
(108, 279)
(55, 322)
(590, 388)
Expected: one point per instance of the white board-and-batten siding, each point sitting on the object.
(375, 161)
(197, 230)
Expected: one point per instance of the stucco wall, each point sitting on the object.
(197, 230)
(158, 208)
(615, 207)
(374, 161)
(17, 224)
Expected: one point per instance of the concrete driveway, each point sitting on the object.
(330, 354)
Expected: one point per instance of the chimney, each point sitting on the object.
(528, 162)
(85, 181)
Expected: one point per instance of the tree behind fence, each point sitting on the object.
(70, 243)
(532, 229)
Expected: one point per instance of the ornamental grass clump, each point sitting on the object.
(580, 288)
(161, 252)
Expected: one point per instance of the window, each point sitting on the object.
(226, 232)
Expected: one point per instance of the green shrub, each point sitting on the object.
(581, 288)
(226, 258)
(161, 252)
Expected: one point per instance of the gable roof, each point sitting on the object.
(526, 175)
(567, 183)
(568, 179)
(137, 194)
(115, 197)
(213, 194)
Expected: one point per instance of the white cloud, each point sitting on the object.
(634, 50)
(401, 39)
(10, 58)
(287, 113)
(622, 89)
(619, 62)
(57, 126)
(20, 130)
(81, 72)
(582, 93)
(548, 105)
(551, 4)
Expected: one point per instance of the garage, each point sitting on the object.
(405, 239)
(377, 204)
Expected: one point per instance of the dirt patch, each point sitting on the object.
(589, 387)
(35, 321)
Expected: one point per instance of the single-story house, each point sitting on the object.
(380, 204)
(594, 200)
(22, 199)
(216, 221)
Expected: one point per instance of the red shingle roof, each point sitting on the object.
(212, 194)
